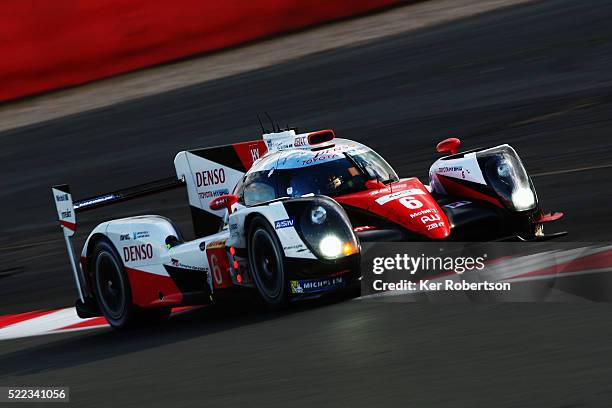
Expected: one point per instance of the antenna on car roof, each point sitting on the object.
(274, 128)
(263, 130)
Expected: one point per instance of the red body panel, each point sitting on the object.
(248, 152)
(146, 288)
(454, 188)
(406, 203)
(219, 264)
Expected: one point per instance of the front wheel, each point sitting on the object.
(267, 264)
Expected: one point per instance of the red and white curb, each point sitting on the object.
(42, 322)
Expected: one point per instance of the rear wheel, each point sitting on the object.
(113, 292)
(267, 264)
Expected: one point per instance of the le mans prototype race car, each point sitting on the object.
(285, 216)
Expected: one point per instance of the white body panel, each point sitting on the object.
(205, 180)
(275, 214)
(140, 241)
(465, 168)
(65, 211)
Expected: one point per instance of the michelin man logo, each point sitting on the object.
(296, 287)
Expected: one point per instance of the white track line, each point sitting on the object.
(555, 172)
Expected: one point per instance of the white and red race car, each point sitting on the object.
(285, 216)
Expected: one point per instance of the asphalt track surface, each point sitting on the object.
(536, 76)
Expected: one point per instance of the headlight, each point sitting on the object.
(318, 215)
(326, 229)
(523, 199)
(330, 246)
(507, 176)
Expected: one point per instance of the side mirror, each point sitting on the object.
(450, 145)
(224, 201)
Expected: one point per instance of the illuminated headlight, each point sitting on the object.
(523, 199)
(318, 215)
(326, 230)
(506, 175)
(330, 246)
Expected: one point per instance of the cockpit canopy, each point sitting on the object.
(332, 170)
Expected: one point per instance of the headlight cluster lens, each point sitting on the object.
(327, 230)
(507, 176)
(318, 215)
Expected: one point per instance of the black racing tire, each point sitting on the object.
(267, 264)
(113, 292)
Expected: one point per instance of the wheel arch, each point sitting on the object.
(86, 259)
(249, 219)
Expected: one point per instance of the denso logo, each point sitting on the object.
(137, 252)
(210, 177)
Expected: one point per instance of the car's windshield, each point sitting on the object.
(345, 175)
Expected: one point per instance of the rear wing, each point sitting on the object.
(67, 208)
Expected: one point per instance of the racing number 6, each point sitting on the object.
(410, 202)
(218, 264)
(214, 264)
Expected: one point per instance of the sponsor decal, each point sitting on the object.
(300, 141)
(254, 149)
(457, 204)
(400, 194)
(210, 177)
(179, 264)
(435, 225)
(296, 248)
(134, 253)
(61, 197)
(430, 218)
(124, 237)
(289, 222)
(141, 234)
(233, 229)
(66, 214)
(214, 193)
(320, 157)
(423, 212)
(316, 285)
(450, 169)
(216, 244)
